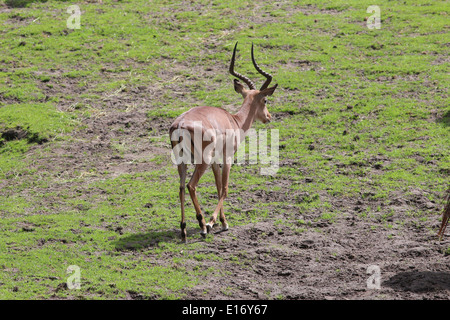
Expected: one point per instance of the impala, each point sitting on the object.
(213, 123)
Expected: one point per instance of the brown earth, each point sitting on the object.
(330, 262)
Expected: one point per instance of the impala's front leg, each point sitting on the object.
(218, 178)
(222, 195)
(198, 172)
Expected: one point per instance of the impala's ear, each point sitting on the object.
(239, 88)
(268, 91)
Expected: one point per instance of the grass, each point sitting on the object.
(372, 103)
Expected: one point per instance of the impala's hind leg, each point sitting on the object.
(182, 168)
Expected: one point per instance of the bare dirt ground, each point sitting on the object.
(330, 264)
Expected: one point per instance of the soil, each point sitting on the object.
(330, 262)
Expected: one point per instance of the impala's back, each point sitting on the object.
(200, 135)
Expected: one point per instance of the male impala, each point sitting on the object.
(213, 124)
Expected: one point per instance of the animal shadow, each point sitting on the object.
(145, 240)
(423, 281)
(445, 120)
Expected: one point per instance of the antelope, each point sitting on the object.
(213, 123)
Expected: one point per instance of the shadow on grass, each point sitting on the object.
(423, 281)
(445, 120)
(141, 241)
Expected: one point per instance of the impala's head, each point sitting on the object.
(257, 98)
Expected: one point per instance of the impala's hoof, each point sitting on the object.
(208, 227)
(203, 233)
(225, 227)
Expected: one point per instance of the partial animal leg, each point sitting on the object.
(445, 218)
(182, 168)
(192, 185)
(218, 178)
(223, 194)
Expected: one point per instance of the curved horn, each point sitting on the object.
(249, 82)
(261, 71)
